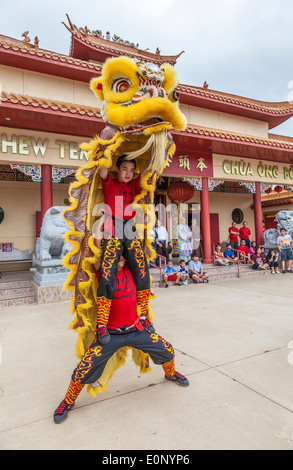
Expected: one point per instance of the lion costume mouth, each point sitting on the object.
(148, 126)
(149, 112)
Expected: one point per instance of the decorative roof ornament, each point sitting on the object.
(103, 43)
(26, 39)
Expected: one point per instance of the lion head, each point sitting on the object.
(139, 97)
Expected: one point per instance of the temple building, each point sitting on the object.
(227, 154)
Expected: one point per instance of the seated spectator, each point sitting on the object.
(196, 272)
(229, 254)
(259, 260)
(263, 251)
(220, 260)
(183, 273)
(243, 252)
(252, 249)
(170, 274)
(272, 261)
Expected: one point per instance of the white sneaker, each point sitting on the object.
(273, 272)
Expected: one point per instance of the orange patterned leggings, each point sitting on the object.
(132, 251)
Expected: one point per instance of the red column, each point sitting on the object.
(46, 189)
(205, 221)
(258, 215)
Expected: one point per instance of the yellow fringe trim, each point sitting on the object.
(87, 311)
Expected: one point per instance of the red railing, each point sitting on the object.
(233, 249)
(160, 267)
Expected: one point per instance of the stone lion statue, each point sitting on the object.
(284, 220)
(51, 242)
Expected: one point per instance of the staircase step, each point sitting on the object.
(17, 301)
(17, 292)
(216, 273)
(17, 288)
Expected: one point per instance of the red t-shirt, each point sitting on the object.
(119, 195)
(244, 249)
(123, 305)
(233, 238)
(244, 233)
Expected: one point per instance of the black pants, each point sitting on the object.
(134, 255)
(92, 365)
(273, 264)
(162, 250)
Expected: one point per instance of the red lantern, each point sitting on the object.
(180, 191)
(269, 190)
(278, 189)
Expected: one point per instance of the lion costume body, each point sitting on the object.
(139, 107)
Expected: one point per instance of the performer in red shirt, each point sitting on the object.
(119, 238)
(125, 329)
(245, 233)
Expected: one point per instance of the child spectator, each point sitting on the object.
(196, 272)
(259, 260)
(183, 273)
(170, 274)
(229, 254)
(272, 261)
(219, 257)
(285, 245)
(244, 255)
(252, 249)
(263, 251)
(234, 234)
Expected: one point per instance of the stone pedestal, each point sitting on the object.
(50, 272)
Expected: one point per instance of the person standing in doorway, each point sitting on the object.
(184, 235)
(161, 237)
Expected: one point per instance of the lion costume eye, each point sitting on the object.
(120, 85)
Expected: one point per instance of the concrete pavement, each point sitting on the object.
(231, 341)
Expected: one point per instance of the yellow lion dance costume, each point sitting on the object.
(139, 106)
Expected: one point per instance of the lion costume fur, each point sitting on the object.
(139, 106)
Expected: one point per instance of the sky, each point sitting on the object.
(242, 47)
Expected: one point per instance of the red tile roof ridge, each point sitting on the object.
(45, 103)
(223, 134)
(27, 48)
(137, 53)
(269, 107)
(273, 196)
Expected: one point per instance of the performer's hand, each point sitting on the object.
(146, 324)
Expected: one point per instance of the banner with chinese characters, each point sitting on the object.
(190, 164)
(251, 170)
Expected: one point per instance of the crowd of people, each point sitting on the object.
(241, 249)
(191, 269)
(190, 266)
